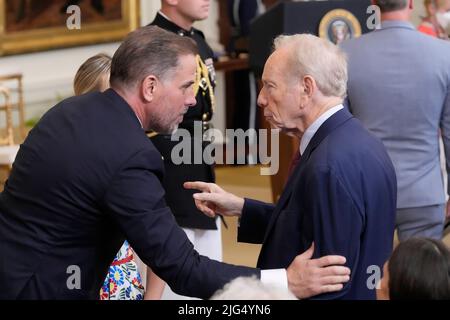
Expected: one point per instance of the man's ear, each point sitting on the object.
(309, 85)
(171, 3)
(149, 88)
(411, 4)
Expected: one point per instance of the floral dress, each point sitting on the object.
(123, 281)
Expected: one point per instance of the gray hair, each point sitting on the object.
(246, 288)
(318, 58)
(391, 5)
(149, 51)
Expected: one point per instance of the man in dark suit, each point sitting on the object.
(87, 177)
(341, 196)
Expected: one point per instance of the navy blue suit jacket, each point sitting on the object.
(86, 178)
(341, 196)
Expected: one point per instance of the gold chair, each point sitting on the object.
(6, 106)
(11, 99)
(15, 85)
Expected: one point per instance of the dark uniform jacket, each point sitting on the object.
(179, 199)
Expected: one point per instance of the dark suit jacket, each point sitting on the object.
(86, 178)
(341, 196)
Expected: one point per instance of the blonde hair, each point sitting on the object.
(93, 75)
(318, 58)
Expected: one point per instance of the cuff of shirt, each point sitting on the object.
(275, 277)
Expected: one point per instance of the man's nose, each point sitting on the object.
(191, 101)
(262, 100)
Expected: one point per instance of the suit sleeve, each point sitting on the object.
(445, 132)
(254, 221)
(337, 222)
(135, 199)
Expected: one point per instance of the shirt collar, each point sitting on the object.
(119, 100)
(140, 121)
(172, 26)
(312, 129)
(386, 24)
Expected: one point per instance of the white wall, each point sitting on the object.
(48, 75)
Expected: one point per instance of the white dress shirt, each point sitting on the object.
(312, 129)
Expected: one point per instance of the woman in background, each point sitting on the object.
(436, 21)
(419, 269)
(93, 75)
(123, 281)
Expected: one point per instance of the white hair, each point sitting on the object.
(246, 288)
(318, 58)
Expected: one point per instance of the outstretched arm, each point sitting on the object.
(305, 277)
(213, 200)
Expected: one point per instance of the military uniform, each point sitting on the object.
(179, 199)
(202, 231)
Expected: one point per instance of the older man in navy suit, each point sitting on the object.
(87, 177)
(341, 197)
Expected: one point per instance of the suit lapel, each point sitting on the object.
(325, 129)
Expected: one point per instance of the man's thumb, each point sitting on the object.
(308, 253)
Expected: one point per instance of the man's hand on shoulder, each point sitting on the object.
(309, 277)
